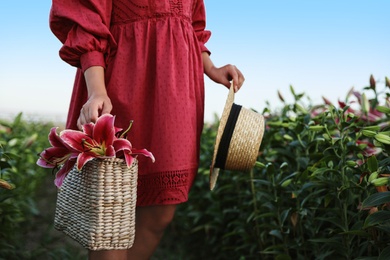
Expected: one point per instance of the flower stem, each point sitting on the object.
(127, 130)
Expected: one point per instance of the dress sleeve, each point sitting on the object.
(199, 24)
(83, 28)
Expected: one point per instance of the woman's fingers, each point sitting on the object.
(236, 75)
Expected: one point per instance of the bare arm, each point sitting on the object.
(98, 101)
(222, 75)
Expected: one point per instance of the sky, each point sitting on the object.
(320, 47)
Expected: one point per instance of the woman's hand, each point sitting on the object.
(95, 106)
(223, 75)
(98, 102)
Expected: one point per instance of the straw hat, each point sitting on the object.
(238, 139)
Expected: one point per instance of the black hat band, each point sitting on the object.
(227, 134)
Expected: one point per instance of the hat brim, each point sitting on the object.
(214, 172)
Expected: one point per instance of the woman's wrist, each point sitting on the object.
(94, 78)
(207, 63)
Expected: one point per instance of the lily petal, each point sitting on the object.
(55, 140)
(53, 157)
(88, 128)
(129, 159)
(143, 152)
(83, 158)
(110, 151)
(75, 139)
(104, 130)
(43, 163)
(63, 172)
(118, 130)
(122, 144)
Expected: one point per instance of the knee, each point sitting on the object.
(163, 217)
(157, 218)
(167, 215)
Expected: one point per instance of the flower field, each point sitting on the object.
(319, 189)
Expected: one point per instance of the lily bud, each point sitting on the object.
(286, 183)
(5, 185)
(365, 104)
(383, 109)
(383, 138)
(372, 82)
(380, 181)
(373, 176)
(294, 219)
(327, 101)
(387, 82)
(280, 96)
(300, 108)
(259, 165)
(316, 127)
(368, 133)
(351, 163)
(373, 210)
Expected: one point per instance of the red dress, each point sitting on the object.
(151, 51)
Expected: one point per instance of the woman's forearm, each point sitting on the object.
(94, 77)
(98, 101)
(207, 63)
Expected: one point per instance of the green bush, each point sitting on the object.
(319, 188)
(27, 201)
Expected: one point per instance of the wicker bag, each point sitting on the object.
(96, 207)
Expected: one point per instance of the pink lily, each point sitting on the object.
(95, 142)
(57, 155)
(123, 147)
(65, 169)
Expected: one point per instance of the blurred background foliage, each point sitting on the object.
(318, 190)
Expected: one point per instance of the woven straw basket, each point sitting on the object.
(96, 207)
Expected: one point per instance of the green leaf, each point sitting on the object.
(4, 165)
(17, 120)
(276, 233)
(292, 90)
(377, 218)
(283, 257)
(376, 199)
(360, 233)
(385, 254)
(283, 165)
(334, 220)
(321, 171)
(372, 163)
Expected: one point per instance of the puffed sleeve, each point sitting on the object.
(83, 28)
(199, 25)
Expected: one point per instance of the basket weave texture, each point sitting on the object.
(96, 207)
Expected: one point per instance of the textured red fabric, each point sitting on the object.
(154, 75)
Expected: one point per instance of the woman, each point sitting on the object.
(143, 60)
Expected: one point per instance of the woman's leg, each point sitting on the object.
(108, 254)
(151, 221)
(150, 224)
